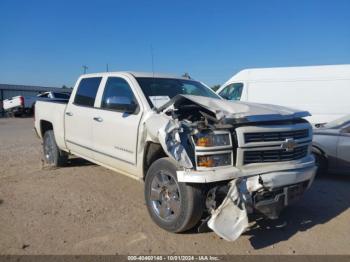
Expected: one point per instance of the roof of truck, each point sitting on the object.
(137, 74)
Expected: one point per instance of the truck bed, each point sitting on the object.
(54, 100)
(52, 111)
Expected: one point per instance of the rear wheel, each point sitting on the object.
(174, 206)
(53, 156)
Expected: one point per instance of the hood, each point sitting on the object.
(239, 111)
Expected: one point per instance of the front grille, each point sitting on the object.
(275, 136)
(264, 156)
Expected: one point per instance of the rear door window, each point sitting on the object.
(232, 91)
(87, 91)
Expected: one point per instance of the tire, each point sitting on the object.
(53, 156)
(173, 206)
(17, 114)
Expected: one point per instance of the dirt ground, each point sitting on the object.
(87, 209)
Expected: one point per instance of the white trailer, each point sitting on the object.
(324, 91)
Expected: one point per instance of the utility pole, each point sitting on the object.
(85, 68)
(152, 57)
(186, 75)
(107, 68)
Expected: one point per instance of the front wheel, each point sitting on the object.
(53, 156)
(174, 206)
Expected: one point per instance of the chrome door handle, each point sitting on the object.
(69, 113)
(98, 119)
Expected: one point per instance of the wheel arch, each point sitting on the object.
(45, 126)
(318, 150)
(323, 158)
(153, 151)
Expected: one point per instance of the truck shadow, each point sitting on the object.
(76, 161)
(328, 197)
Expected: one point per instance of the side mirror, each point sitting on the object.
(120, 103)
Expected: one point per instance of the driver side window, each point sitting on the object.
(232, 91)
(117, 91)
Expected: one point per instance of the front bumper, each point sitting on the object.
(275, 172)
(271, 203)
(230, 219)
(266, 193)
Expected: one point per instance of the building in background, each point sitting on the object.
(8, 91)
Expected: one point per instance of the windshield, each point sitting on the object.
(338, 122)
(158, 91)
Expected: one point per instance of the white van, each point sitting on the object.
(324, 91)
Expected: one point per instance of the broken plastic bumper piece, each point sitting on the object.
(267, 194)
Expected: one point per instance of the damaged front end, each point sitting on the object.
(249, 157)
(246, 196)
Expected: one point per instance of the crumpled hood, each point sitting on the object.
(240, 111)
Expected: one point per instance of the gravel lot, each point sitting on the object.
(87, 209)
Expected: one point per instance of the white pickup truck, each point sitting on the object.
(24, 105)
(202, 158)
(19, 105)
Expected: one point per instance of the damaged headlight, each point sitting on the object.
(214, 160)
(213, 149)
(212, 139)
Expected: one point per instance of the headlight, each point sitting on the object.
(212, 140)
(214, 160)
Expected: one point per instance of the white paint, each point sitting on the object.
(324, 91)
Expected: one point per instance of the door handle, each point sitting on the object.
(69, 113)
(98, 119)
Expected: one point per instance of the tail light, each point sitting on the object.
(21, 99)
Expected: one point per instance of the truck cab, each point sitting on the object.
(201, 158)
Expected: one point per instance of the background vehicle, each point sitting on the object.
(24, 105)
(19, 105)
(324, 91)
(197, 153)
(331, 146)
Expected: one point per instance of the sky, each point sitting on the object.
(47, 42)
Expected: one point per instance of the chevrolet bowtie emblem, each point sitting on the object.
(289, 144)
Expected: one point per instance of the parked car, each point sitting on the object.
(201, 157)
(324, 91)
(331, 146)
(24, 105)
